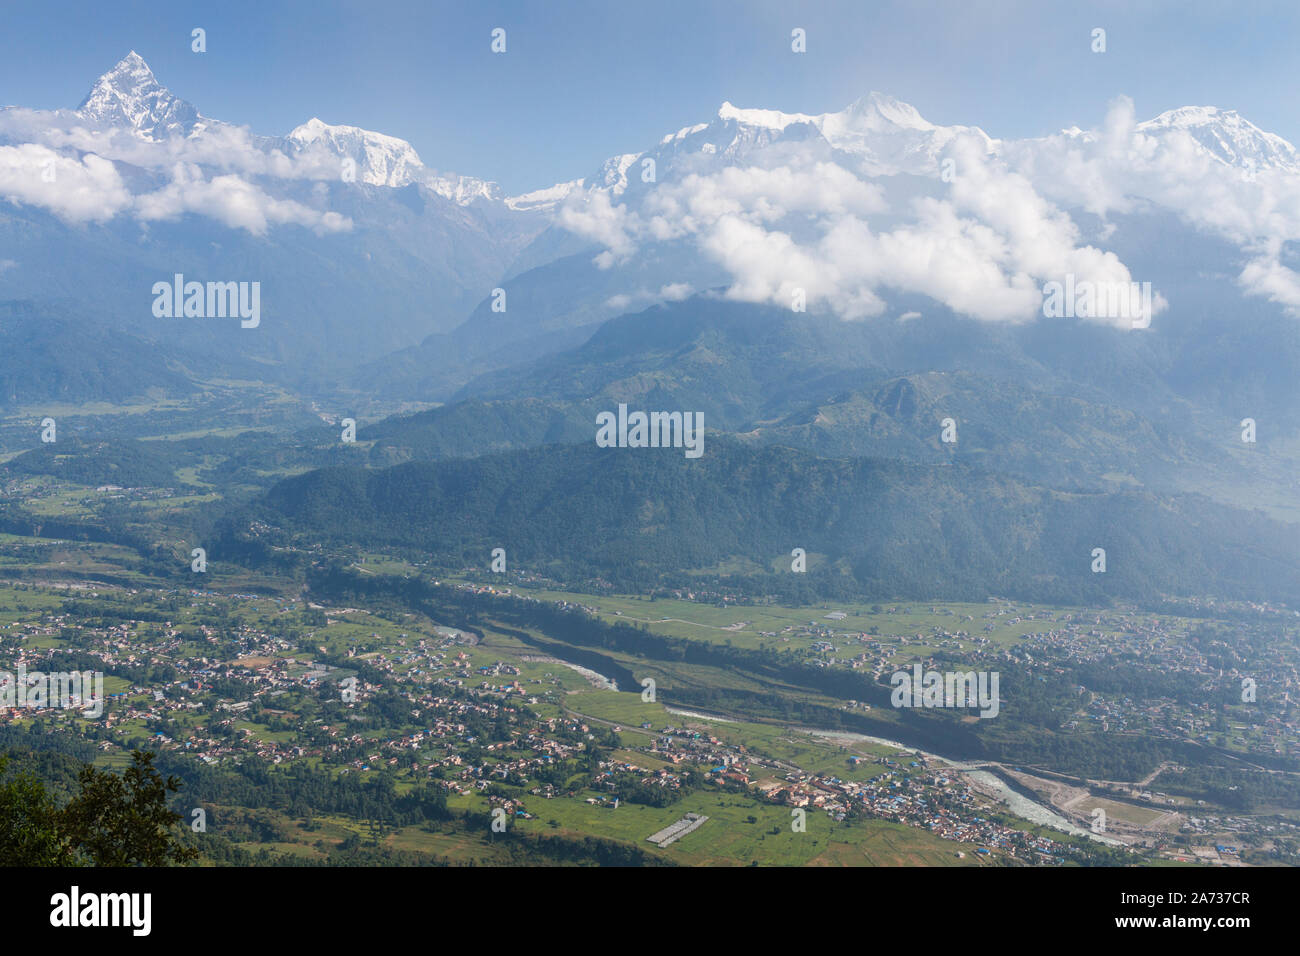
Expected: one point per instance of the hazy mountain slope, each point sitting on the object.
(47, 355)
(634, 515)
(352, 262)
(1072, 404)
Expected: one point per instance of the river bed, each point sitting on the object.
(696, 714)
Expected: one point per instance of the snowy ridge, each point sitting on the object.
(885, 134)
(383, 160)
(130, 97)
(879, 133)
(544, 198)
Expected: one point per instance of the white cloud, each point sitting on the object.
(984, 249)
(231, 201)
(983, 245)
(77, 191)
(757, 194)
(209, 173)
(1120, 168)
(220, 146)
(673, 292)
(1265, 276)
(596, 218)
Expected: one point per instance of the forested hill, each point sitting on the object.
(638, 516)
(47, 355)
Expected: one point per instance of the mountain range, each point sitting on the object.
(838, 283)
(371, 259)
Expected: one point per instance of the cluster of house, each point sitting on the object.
(1267, 680)
(936, 800)
(905, 791)
(1232, 682)
(452, 696)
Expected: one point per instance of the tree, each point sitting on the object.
(124, 820)
(29, 834)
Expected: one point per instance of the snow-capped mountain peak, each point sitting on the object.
(885, 135)
(381, 160)
(893, 136)
(876, 111)
(129, 95)
(1228, 136)
(877, 134)
(882, 111)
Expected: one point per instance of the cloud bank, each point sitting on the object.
(982, 241)
(80, 174)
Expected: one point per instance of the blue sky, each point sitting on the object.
(582, 81)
